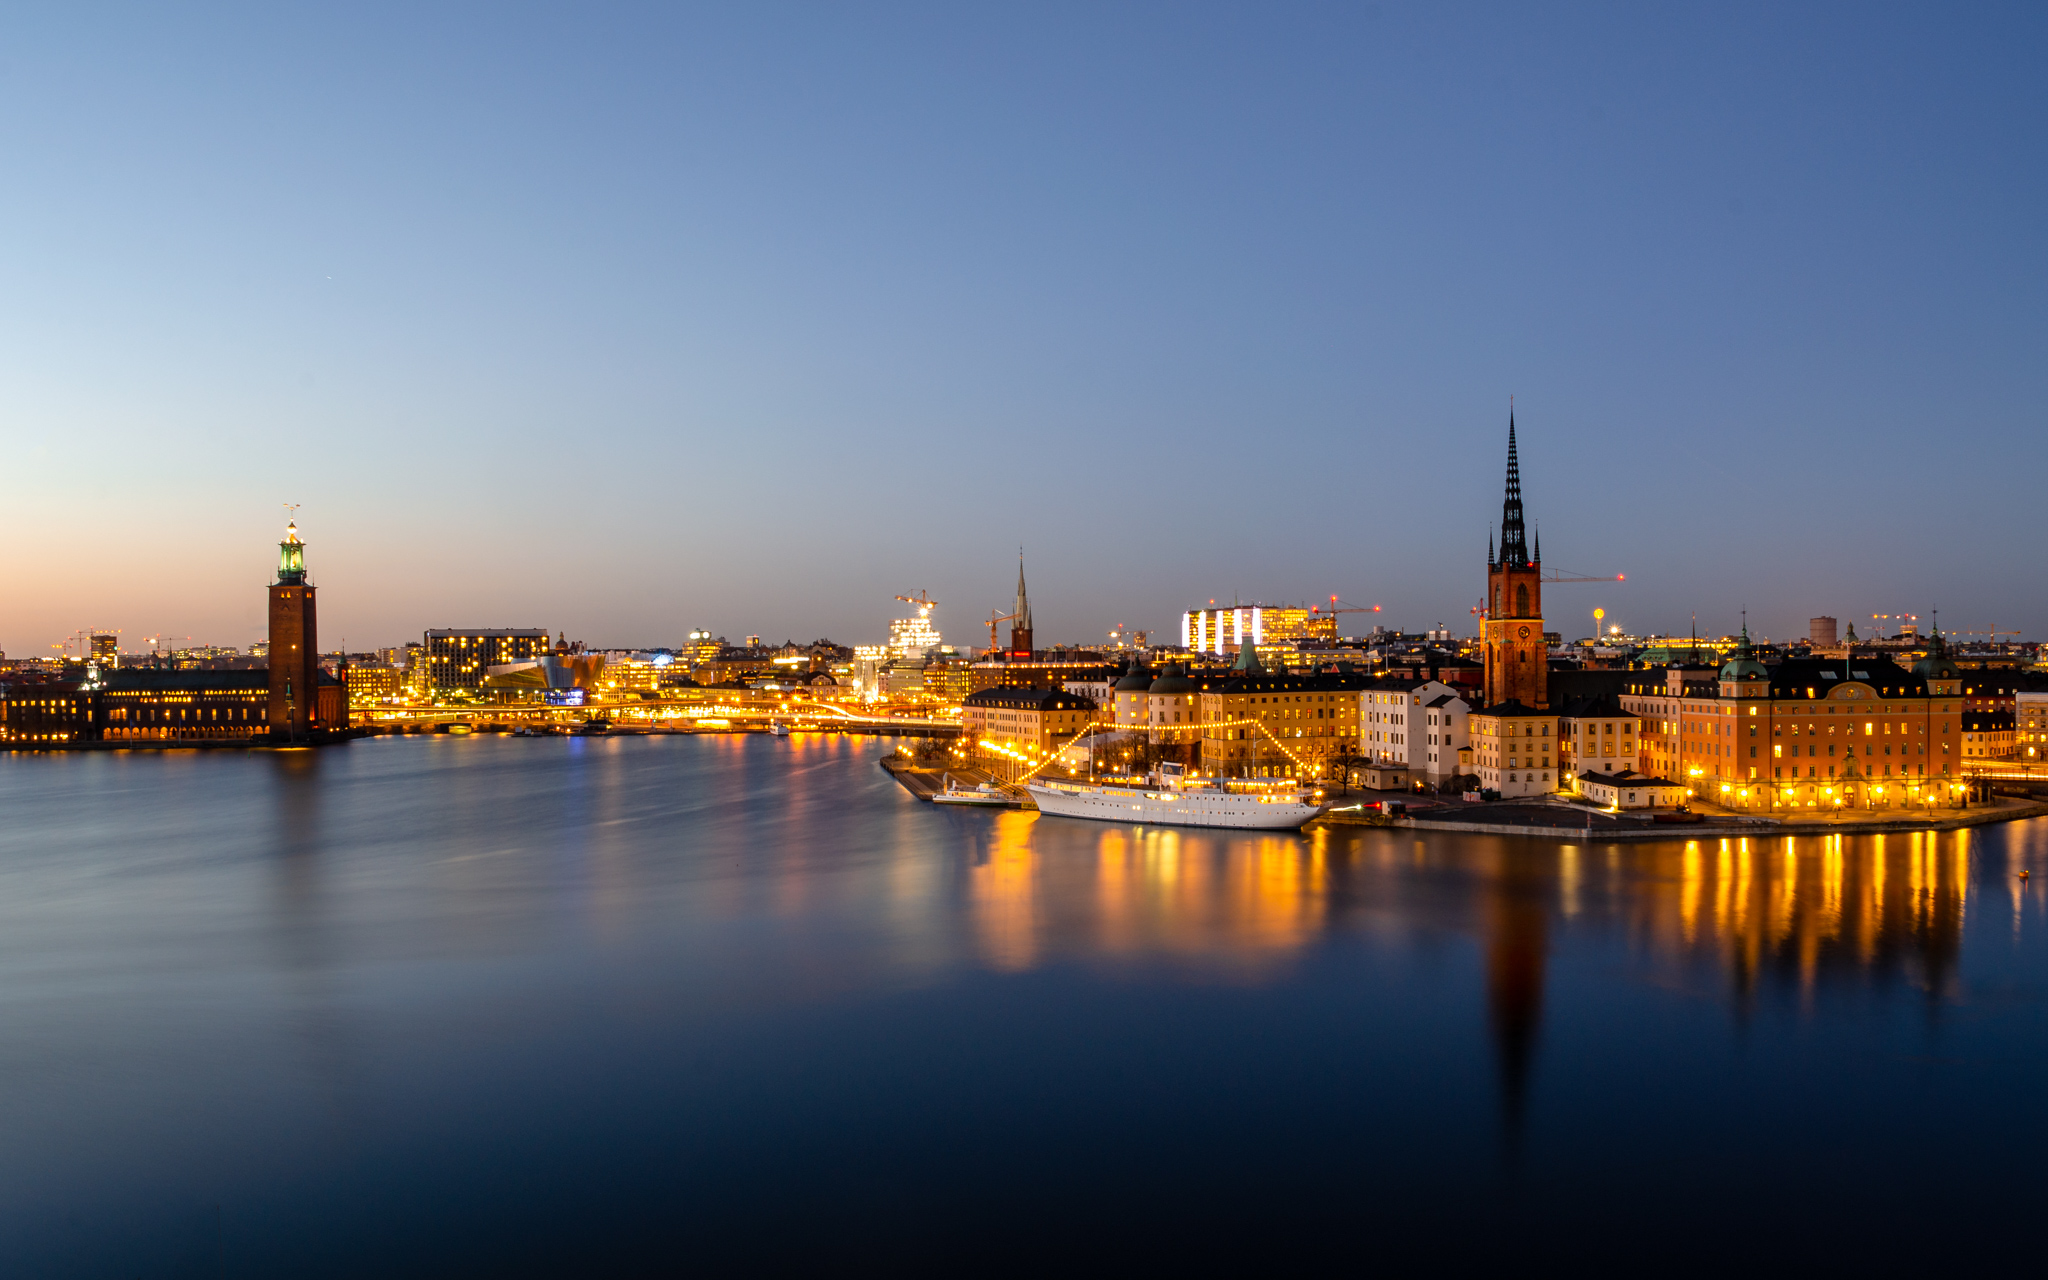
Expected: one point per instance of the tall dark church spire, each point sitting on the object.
(1514, 543)
(1020, 626)
(1023, 600)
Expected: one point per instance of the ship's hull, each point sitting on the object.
(1192, 808)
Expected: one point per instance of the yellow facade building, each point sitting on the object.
(1514, 749)
(1810, 733)
(1025, 722)
(1258, 725)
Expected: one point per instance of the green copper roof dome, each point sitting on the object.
(1744, 666)
(1136, 678)
(1937, 665)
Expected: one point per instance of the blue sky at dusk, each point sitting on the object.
(624, 321)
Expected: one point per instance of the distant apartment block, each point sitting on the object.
(458, 658)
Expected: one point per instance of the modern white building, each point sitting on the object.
(1263, 626)
(911, 637)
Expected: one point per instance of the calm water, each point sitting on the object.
(659, 1005)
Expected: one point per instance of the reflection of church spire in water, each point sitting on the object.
(1515, 945)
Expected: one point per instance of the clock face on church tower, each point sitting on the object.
(1523, 633)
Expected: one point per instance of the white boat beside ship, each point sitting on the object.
(983, 796)
(1170, 798)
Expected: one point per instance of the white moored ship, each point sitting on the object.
(1171, 798)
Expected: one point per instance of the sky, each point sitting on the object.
(625, 321)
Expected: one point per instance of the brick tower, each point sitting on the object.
(294, 647)
(1517, 660)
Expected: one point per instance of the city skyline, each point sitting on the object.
(631, 324)
(966, 633)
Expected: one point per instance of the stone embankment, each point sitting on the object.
(1557, 820)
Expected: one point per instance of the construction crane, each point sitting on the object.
(995, 616)
(922, 600)
(1994, 634)
(1563, 577)
(1479, 610)
(1337, 607)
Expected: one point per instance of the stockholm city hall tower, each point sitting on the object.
(1517, 661)
(294, 646)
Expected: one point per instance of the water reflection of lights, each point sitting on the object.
(1801, 904)
(1755, 909)
(1224, 896)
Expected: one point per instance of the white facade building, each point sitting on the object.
(1443, 737)
(1100, 692)
(1417, 725)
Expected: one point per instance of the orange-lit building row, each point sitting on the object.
(1808, 733)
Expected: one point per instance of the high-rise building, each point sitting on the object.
(294, 710)
(1517, 660)
(106, 652)
(458, 657)
(1820, 632)
(1270, 629)
(911, 638)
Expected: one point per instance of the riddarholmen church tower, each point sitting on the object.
(1517, 660)
(1514, 736)
(294, 647)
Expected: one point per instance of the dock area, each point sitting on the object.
(1560, 820)
(925, 782)
(1554, 818)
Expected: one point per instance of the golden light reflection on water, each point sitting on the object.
(1755, 907)
(1004, 895)
(1234, 896)
(1803, 905)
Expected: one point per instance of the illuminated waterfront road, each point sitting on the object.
(667, 711)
